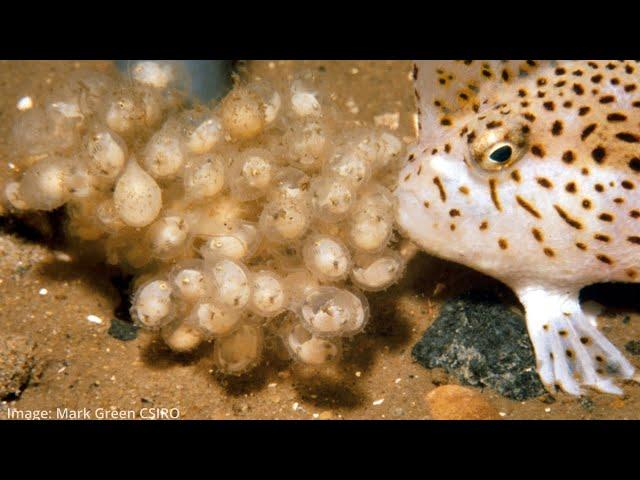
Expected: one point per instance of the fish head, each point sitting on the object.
(526, 170)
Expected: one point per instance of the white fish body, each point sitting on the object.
(529, 172)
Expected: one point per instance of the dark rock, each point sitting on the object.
(633, 347)
(122, 330)
(482, 343)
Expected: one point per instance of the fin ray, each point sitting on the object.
(571, 352)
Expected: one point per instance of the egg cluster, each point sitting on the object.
(260, 213)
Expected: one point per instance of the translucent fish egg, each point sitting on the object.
(242, 114)
(330, 312)
(45, 185)
(350, 166)
(137, 197)
(204, 177)
(284, 221)
(213, 320)
(268, 294)
(163, 156)
(373, 273)
(153, 73)
(300, 284)
(239, 351)
(309, 145)
(251, 174)
(152, 304)
(232, 283)
(189, 280)
(237, 242)
(167, 236)
(331, 197)
(290, 184)
(309, 349)
(181, 337)
(205, 136)
(106, 154)
(326, 257)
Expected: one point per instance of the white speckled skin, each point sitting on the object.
(561, 214)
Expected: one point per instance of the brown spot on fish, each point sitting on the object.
(616, 117)
(484, 225)
(515, 175)
(606, 217)
(494, 194)
(503, 243)
(527, 206)
(568, 157)
(464, 190)
(544, 182)
(454, 212)
(587, 131)
(581, 246)
(443, 193)
(627, 137)
(549, 252)
(556, 128)
(571, 187)
(634, 164)
(634, 239)
(601, 237)
(604, 259)
(565, 216)
(598, 154)
(582, 111)
(537, 234)
(538, 151)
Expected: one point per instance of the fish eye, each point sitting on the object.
(497, 156)
(501, 153)
(498, 149)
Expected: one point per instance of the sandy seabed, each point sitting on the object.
(47, 293)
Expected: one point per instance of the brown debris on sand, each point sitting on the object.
(16, 364)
